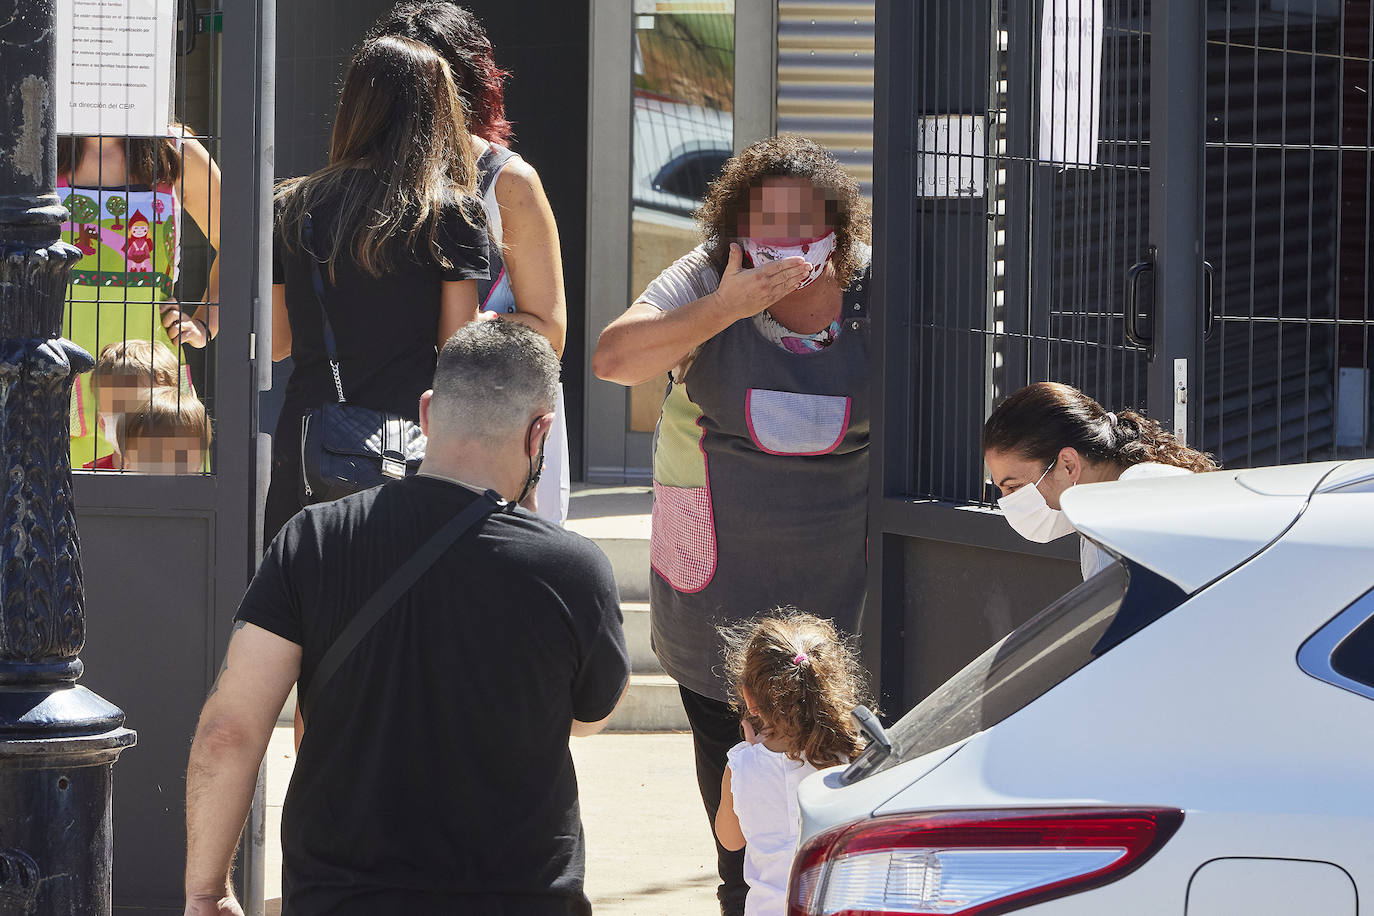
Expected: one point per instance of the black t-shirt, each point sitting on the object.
(385, 327)
(435, 767)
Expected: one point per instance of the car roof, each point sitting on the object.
(1193, 529)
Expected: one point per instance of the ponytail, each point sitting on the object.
(1040, 419)
(1139, 439)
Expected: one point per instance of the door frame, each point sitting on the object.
(613, 453)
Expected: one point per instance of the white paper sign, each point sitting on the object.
(1070, 81)
(950, 156)
(114, 66)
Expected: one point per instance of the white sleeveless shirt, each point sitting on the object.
(764, 784)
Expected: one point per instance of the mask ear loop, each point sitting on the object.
(535, 473)
(1047, 471)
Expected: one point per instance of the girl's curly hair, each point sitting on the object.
(804, 679)
(1040, 419)
(726, 206)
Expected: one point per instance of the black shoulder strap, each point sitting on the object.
(384, 598)
(495, 159)
(317, 279)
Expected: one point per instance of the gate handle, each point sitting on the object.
(1133, 335)
(1208, 314)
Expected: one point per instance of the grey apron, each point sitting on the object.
(785, 441)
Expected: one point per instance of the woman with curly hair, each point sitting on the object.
(1048, 437)
(761, 452)
(526, 270)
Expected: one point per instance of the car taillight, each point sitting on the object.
(971, 862)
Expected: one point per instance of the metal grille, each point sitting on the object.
(1033, 205)
(1035, 191)
(144, 235)
(825, 79)
(1286, 373)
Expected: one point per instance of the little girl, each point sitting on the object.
(795, 682)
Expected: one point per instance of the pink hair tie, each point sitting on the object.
(801, 659)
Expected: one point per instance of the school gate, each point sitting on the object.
(166, 558)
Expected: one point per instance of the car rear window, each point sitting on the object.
(1354, 657)
(1104, 611)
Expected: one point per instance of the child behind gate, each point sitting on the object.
(795, 681)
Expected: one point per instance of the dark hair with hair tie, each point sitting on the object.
(1040, 419)
(804, 678)
(458, 36)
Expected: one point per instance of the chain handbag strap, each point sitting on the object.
(317, 279)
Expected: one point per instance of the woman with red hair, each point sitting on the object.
(526, 280)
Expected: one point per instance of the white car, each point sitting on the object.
(1188, 733)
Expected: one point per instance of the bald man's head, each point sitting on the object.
(492, 378)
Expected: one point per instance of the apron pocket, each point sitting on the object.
(787, 423)
(682, 544)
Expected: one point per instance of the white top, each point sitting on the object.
(764, 784)
(1093, 559)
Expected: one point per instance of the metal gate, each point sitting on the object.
(167, 555)
(1165, 203)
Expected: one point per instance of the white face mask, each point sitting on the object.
(1031, 517)
(815, 252)
(109, 426)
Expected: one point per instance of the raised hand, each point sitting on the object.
(749, 290)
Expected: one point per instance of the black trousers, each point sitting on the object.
(715, 729)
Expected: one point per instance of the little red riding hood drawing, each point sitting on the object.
(138, 249)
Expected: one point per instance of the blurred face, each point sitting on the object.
(124, 395)
(785, 211)
(164, 455)
(1011, 472)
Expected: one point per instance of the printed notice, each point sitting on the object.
(1070, 81)
(114, 67)
(951, 152)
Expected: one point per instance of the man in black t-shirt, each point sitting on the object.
(434, 774)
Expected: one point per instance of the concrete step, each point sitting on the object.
(642, 658)
(652, 704)
(617, 518)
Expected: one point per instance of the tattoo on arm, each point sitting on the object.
(224, 665)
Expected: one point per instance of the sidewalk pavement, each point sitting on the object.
(649, 849)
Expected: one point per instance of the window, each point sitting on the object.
(690, 173)
(1342, 652)
(1082, 626)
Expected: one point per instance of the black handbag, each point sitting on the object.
(346, 448)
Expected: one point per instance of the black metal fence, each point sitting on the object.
(1165, 203)
(1037, 115)
(1287, 230)
(140, 181)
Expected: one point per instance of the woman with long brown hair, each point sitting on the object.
(400, 241)
(1048, 437)
(526, 282)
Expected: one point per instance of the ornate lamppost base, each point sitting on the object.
(57, 754)
(58, 741)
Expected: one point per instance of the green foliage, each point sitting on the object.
(117, 206)
(81, 208)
